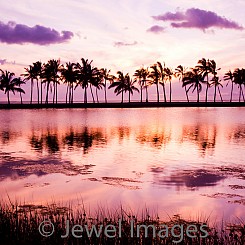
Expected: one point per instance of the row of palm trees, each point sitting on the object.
(50, 75)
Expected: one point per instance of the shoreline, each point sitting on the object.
(122, 105)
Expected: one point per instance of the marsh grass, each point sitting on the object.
(19, 225)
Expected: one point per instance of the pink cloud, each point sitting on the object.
(156, 29)
(13, 33)
(197, 18)
(120, 44)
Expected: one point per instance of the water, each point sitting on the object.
(170, 160)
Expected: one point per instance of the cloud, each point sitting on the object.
(197, 18)
(13, 33)
(3, 61)
(120, 44)
(156, 29)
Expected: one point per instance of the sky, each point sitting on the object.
(122, 35)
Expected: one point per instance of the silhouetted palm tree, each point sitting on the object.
(239, 78)
(216, 83)
(180, 73)
(129, 86)
(142, 75)
(119, 84)
(155, 75)
(215, 80)
(193, 79)
(69, 75)
(168, 74)
(87, 76)
(204, 68)
(30, 75)
(20, 82)
(162, 77)
(37, 70)
(9, 83)
(98, 83)
(107, 77)
(229, 76)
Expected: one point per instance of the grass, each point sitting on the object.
(19, 224)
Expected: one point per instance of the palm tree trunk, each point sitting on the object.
(21, 98)
(206, 97)
(92, 92)
(170, 90)
(157, 92)
(232, 85)
(47, 93)
(8, 97)
(105, 92)
(97, 95)
(215, 90)
(141, 93)
(122, 97)
(129, 96)
(146, 94)
(220, 94)
(186, 93)
(41, 92)
(67, 89)
(37, 91)
(197, 96)
(72, 93)
(56, 89)
(53, 92)
(31, 89)
(164, 92)
(240, 94)
(85, 95)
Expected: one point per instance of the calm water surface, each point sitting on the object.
(170, 160)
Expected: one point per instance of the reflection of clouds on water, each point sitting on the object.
(187, 178)
(22, 168)
(131, 184)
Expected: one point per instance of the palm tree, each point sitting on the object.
(119, 84)
(19, 82)
(107, 77)
(162, 75)
(204, 68)
(47, 78)
(37, 70)
(180, 73)
(194, 80)
(50, 75)
(239, 78)
(142, 75)
(30, 75)
(129, 86)
(69, 75)
(216, 83)
(87, 76)
(168, 74)
(98, 83)
(9, 83)
(229, 76)
(215, 80)
(155, 75)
